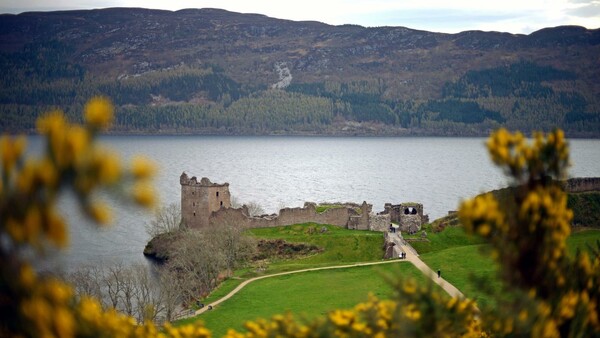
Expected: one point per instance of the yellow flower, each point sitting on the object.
(409, 287)
(46, 173)
(144, 194)
(77, 141)
(99, 113)
(231, 333)
(11, 150)
(27, 276)
(100, 212)
(342, 317)
(411, 312)
(15, 230)
(142, 168)
(484, 230)
(57, 229)
(109, 167)
(53, 122)
(64, 322)
(568, 304)
(38, 311)
(58, 291)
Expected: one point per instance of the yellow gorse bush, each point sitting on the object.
(35, 306)
(528, 229)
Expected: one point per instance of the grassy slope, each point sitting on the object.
(312, 294)
(459, 258)
(586, 208)
(341, 246)
(582, 239)
(306, 295)
(462, 259)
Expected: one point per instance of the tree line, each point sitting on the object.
(203, 99)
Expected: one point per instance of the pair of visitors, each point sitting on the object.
(403, 255)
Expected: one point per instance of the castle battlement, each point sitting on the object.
(204, 182)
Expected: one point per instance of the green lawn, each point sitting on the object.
(306, 295)
(460, 265)
(582, 239)
(341, 246)
(450, 237)
(463, 262)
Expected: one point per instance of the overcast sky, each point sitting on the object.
(449, 16)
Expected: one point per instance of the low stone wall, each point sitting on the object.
(287, 216)
(582, 184)
(345, 217)
(379, 222)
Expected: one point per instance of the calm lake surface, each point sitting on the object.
(287, 171)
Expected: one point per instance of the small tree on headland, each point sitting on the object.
(167, 219)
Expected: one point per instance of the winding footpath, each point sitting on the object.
(411, 256)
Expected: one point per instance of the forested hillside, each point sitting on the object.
(211, 71)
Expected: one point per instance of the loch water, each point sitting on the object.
(278, 171)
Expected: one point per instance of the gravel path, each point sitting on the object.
(413, 257)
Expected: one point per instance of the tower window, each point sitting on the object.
(194, 213)
(217, 194)
(221, 203)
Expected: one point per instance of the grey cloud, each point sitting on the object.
(441, 19)
(589, 11)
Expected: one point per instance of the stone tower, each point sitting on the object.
(200, 199)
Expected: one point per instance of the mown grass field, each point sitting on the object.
(307, 295)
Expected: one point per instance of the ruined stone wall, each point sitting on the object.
(410, 223)
(379, 222)
(360, 220)
(287, 216)
(582, 184)
(334, 216)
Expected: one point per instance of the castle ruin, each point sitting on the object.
(408, 216)
(200, 199)
(207, 204)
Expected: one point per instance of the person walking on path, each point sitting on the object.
(439, 273)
